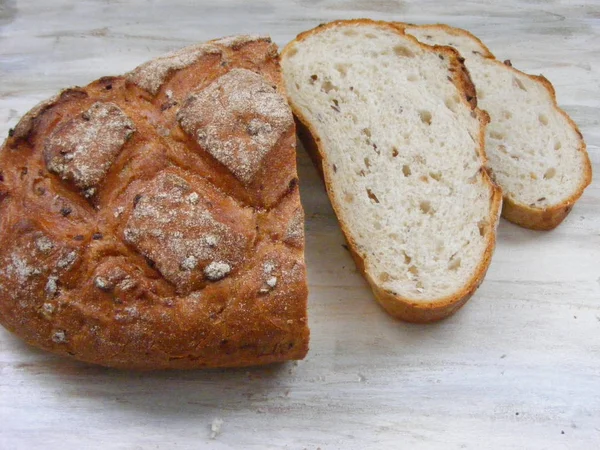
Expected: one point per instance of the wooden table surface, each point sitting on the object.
(518, 367)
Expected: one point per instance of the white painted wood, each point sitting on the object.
(517, 367)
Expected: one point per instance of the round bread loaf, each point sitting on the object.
(153, 220)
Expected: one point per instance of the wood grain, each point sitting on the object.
(518, 367)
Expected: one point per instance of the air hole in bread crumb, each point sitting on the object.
(342, 69)
(543, 119)
(550, 173)
(439, 247)
(384, 276)
(377, 226)
(437, 176)
(420, 285)
(413, 271)
(480, 94)
(425, 207)
(557, 145)
(450, 103)
(366, 132)
(327, 86)
(412, 77)
(483, 226)
(496, 135)
(518, 83)
(407, 259)
(454, 263)
(313, 78)
(370, 36)
(533, 176)
(401, 50)
(506, 114)
(367, 162)
(425, 117)
(348, 197)
(372, 196)
(292, 51)
(394, 152)
(406, 170)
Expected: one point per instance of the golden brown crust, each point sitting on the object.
(126, 243)
(535, 218)
(401, 307)
(522, 214)
(450, 30)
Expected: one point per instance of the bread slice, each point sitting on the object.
(394, 128)
(536, 152)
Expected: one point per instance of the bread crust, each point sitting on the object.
(450, 30)
(404, 308)
(89, 246)
(522, 214)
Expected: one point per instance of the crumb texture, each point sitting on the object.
(401, 155)
(535, 152)
(238, 119)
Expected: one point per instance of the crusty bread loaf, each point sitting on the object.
(394, 128)
(536, 152)
(153, 220)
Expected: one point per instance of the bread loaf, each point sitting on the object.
(536, 152)
(153, 220)
(394, 128)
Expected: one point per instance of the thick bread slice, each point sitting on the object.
(536, 152)
(393, 125)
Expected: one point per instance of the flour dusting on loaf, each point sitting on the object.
(152, 75)
(237, 41)
(185, 239)
(83, 149)
(212, 116)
